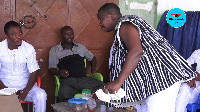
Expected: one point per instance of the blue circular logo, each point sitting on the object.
(176, 17)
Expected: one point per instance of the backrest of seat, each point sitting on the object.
(85, 62)
(38, 81)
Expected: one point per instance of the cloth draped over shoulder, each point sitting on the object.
(159, 67)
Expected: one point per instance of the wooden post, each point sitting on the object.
(13, 9)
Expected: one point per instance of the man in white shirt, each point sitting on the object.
(18, 67)
(188, 93)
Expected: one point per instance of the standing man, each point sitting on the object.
(69, 56)
(18, 67)
(143, 63)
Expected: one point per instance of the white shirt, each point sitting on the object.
(195, 58)
(17, 64)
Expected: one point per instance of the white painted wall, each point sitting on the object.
(186, 5)
(145, 9)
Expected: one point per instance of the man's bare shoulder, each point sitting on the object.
(128, 25)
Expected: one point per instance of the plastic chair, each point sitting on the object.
(192, 107)
(57, 82)
(97, 76)
(39, 85)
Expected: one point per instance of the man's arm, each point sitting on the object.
(33, 68)
(30, 84)
(62, 72)
(2, 85)
(93, 65)
(91, 58)
(130, 35)
(54, 71)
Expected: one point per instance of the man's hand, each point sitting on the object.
(23, 94)
(112, 87)
(192, 83)
(63, 73)
(94, 96)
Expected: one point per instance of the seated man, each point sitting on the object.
(188, 93)
(69, 58)
(18, 67)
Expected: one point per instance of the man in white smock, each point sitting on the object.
(188, 93)
(18, 67)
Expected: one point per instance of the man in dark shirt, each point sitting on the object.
(69, 58)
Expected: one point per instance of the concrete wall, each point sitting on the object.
(146, 9)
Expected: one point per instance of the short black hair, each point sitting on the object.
(10, 24)
(108, 8)
(66, 27)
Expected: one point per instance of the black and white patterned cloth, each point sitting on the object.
(159, 67)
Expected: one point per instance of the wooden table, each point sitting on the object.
(10, 103)
(64, 107)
